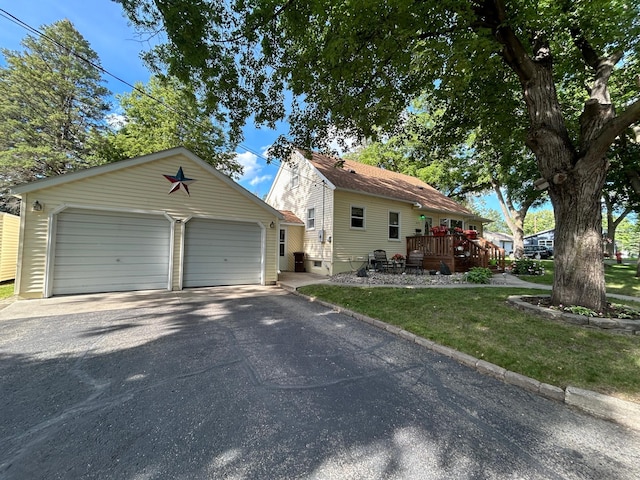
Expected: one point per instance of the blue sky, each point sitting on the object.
(103, 24)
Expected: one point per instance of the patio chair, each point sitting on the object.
(380, 261)
(414, 261)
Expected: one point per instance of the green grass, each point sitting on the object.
(6, 290)
(477, 321)
(620, 279)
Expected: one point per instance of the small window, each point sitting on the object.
(311, 219)
(455, 223)
(295, 176)
(357, 217)
(394, 226)
(428, 224)
(472, 227)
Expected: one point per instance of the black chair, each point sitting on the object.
(414, 261)
(380, 261)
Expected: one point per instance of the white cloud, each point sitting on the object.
(258, 180)
(253, 168)
(116, 120)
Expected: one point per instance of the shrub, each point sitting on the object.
(479, 275)
(527, 266)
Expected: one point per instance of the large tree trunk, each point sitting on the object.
(575, 173)
(579, 269)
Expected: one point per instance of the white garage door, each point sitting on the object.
(218, 252)
(108, 252)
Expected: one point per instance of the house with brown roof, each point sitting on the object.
(344, 210)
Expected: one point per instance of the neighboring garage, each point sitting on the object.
(138, 225)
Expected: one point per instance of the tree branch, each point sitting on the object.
(611, 130)
(492, 14)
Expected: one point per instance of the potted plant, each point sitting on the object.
(471, 234)
(397, 258)
(439, 231)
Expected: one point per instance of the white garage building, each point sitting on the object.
(162, 221)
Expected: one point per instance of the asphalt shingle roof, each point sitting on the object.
(367, 179)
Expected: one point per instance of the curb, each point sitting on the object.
(622, 412)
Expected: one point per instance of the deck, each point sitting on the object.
(459, 252)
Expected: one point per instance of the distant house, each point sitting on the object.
(545, 238)
(340, 211)
(503, 240)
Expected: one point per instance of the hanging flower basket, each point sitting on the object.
(439, 231)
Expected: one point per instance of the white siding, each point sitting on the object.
(311, 192)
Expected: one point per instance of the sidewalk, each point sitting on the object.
(603, 406)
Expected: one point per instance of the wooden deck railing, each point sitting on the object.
(458, 252)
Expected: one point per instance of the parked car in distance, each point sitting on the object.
(537, 251)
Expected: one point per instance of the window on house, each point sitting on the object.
(455, 223)
(444, 221)
(357, 217)
(428, 223)
(394, 226)
(472, 227)
(311, 219)
(295, 176)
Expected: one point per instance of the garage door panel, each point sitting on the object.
(109, 251)
(222, 253)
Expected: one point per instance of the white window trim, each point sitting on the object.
(364, 217)
(294, 182)
(314, 218)
(398, 226)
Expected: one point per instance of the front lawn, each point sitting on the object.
(620, 278)
(477, 321)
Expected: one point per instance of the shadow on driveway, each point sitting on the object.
(257, 383)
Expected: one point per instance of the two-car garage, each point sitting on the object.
(91, 235)
(105, 251)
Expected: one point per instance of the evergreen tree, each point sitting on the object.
(52, 106)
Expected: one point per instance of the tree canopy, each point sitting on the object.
(164, 114)
(52, 107)
(559, 75)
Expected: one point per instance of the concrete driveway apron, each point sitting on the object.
(256, 383)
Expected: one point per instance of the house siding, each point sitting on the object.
(353, 246)
(295, 243)
(345, 248)
(141, 187)
(9, 234)
(311, 192)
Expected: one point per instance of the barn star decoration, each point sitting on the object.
(179, 180)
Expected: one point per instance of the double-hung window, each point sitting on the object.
(311, 218)
(357, 217)
(295, 176)
(394, 226)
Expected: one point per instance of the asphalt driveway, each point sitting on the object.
(257, 383)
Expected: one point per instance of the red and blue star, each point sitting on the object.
(179, 180)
